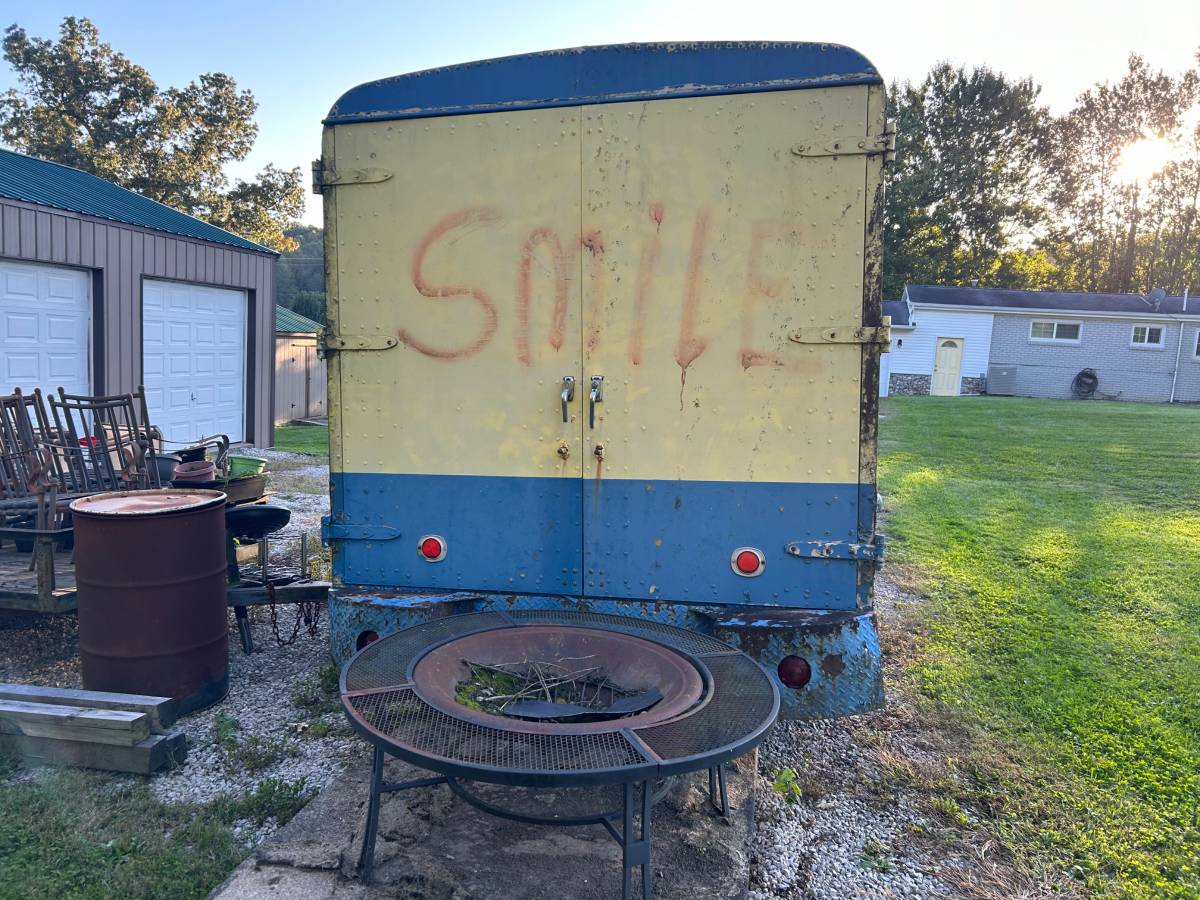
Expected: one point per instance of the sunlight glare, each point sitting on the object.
(1143, 159)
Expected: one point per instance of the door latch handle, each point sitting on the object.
(596, 396)
(568, 394)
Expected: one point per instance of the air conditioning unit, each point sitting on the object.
(1002, 380)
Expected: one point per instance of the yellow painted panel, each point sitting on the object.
(710, 241)
(468, 256)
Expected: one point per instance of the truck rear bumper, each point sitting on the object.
(834, 652)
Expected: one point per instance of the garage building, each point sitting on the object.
(102, 290)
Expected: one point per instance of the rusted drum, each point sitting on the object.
(150, 571)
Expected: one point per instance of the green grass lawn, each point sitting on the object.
(310, 439)
(1059, 546)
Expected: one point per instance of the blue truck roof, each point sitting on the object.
(607, 74)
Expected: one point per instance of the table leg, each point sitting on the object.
(716, 783)
(366, 862)
(636, 851)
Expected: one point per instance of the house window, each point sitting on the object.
(1198, 343)
(1054, 332)
(1147, 336)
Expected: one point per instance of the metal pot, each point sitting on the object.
(167, 463)
(202, 470)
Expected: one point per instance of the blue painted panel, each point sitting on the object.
(841, 648)
(608, 74)
(673, 540)
(502, 534)
(645, 540)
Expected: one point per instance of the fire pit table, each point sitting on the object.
(665, 701)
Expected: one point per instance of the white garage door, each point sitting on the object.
(45, 323)
(194, 359)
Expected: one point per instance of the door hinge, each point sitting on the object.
(344, 531)
(323, 177)
(340, 343)
(852, 145)
(851, 550)
(845, 334)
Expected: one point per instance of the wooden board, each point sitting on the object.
(155, 752)
(19, 587)
(161, 711)
(74, 723)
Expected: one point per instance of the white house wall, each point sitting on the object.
(913, 351)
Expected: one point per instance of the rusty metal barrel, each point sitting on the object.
(150, 572)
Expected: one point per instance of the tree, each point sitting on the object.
(83, 104)
(301, 279)
(964, 190)
(1114, 234)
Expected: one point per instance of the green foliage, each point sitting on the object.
(318, 696)
(1059, 546)
(253, 753)
(1111, 235)
(964, 180)
(875, 856)
(225, 729)
(310, 439)
(787, 783)
(81, 103)
(272, 798)
(301, 277)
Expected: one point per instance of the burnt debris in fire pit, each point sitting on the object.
(569, 690)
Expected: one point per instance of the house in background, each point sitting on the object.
(299, 369)
(102, 290)
(970, 340)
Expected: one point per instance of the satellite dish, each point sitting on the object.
(1156, 297)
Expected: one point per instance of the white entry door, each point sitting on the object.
(946, 367)
(45, 325)
(194, 360)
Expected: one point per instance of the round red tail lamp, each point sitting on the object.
(748, 562)
(794, 671)
(432, 548)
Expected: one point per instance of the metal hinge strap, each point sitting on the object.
(845, 334)
(323, 177)
(343, 342)
(852, 145)
(849, 550)
(345, 531)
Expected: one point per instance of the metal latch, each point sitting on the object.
(845, 334)
(852, 550)
(336, 343)
(323, 177)
(343, 531)
(852, 145)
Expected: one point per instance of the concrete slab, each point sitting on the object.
(434, 846)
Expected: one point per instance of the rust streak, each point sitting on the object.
(690, 345)
(461, 218)
(563, 261)
(593, 242)
(641, 291)
(758, 285)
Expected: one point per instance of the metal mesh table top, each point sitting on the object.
(385, 706)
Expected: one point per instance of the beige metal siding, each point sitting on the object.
(299, 378)
(124, 255)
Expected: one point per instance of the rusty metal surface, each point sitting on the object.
(151, 595)
(822, 638)
(632, 662)
(732, 714)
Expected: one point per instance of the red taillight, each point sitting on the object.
(747, 561)
(432, 548)
(794, 671)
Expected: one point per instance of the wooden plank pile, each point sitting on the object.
(90, 729)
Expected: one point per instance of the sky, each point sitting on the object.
(298, 57)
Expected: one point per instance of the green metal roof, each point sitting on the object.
(291, 321)
(32, 180)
